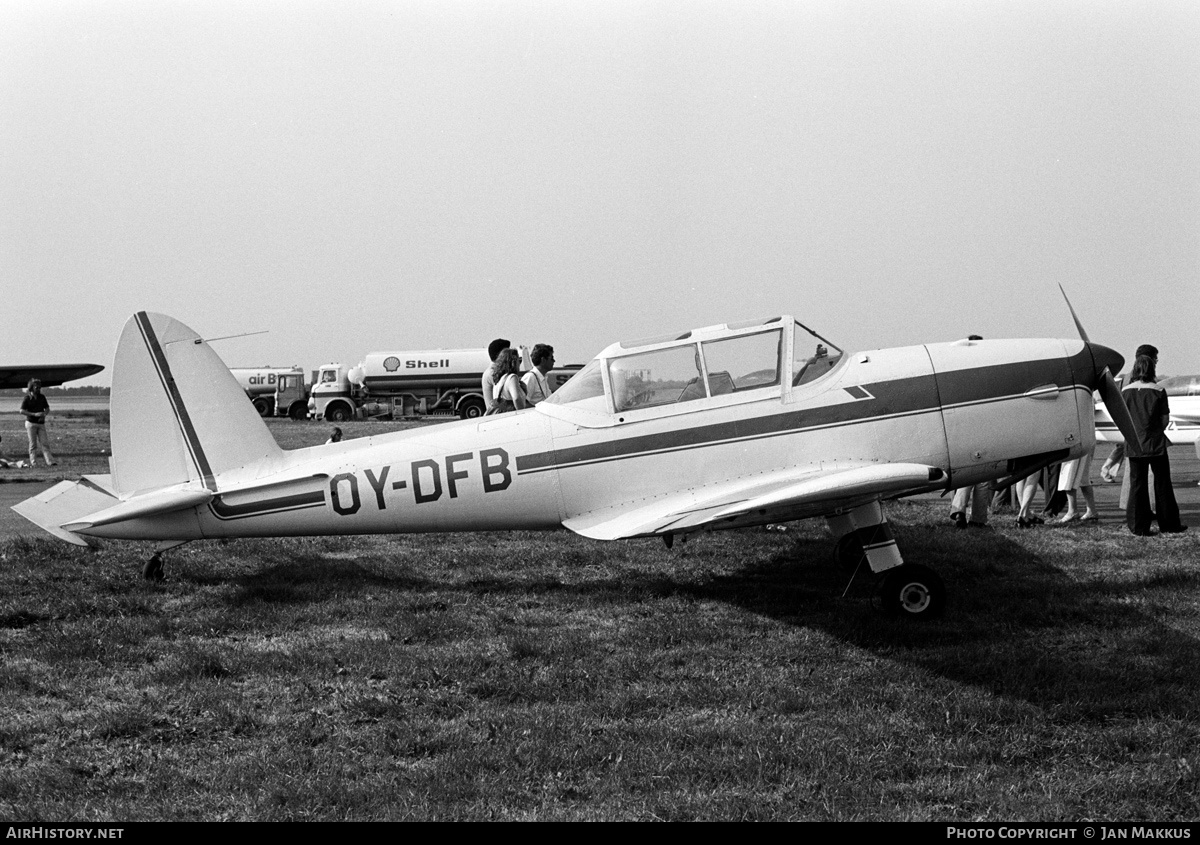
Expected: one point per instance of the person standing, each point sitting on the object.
(1023, 492)
(1076, 477)
(508, 394)
(978, 497)
(536, 383)
(34, 408)
(1147, 452)
(487, 384)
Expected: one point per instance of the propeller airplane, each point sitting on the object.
(722, 427)
(1183, 396)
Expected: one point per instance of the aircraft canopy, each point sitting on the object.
(700, 364)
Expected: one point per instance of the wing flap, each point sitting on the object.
(694, 510)
(879, 480)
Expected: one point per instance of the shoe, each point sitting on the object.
(1022, 522)
(1094, 518)
(1178, 530)
(1146, 533)
(1071, 517)
(959, 519)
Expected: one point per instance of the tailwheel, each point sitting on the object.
(153, 570)
(912, 591)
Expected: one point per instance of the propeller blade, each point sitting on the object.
(1078, 325)
(1114, 403)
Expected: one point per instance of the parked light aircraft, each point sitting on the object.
(49, 375)
(721, 427)
(1183, 396)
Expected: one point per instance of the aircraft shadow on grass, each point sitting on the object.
(1019, 626)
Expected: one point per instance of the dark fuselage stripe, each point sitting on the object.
(891, 399)
(293, 502)
(191, 440)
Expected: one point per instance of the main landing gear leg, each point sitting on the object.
(905, 589)
(153, 570)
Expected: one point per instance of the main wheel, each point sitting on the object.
(298, 411)
(262, 407)
(913, 591)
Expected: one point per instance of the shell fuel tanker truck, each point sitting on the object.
(433, 382)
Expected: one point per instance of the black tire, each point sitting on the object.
(848, 552)
(471, 409)
(337, 412)
(298, 411)
(913, 591)
(262, 406)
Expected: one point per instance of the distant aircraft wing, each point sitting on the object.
(50, 375)
(694, 510)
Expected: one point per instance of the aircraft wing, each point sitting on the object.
(693, 510)
(50, 375)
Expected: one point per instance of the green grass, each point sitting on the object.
(545, 676)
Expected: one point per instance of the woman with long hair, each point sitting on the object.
(506, 375)
(1147, 404)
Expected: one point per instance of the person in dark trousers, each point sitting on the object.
(1147, 404)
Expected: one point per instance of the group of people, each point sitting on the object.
(34, 408)
(504, 388)
(1145, 456)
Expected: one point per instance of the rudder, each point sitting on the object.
(176, 412)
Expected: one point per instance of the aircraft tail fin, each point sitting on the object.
(177, 414)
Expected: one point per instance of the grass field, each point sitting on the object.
(545, 676)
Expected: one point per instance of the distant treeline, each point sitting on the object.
(62, 391)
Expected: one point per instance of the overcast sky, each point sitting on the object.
(357, 176)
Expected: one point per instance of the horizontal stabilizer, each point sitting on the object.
(150, 504)
(64, 503)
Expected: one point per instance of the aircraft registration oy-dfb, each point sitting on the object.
(722, 427)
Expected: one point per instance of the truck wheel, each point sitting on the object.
(262, 407)
(337, 412)
(471, 409)
(298, 411)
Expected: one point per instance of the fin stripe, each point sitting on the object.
(181, 415)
